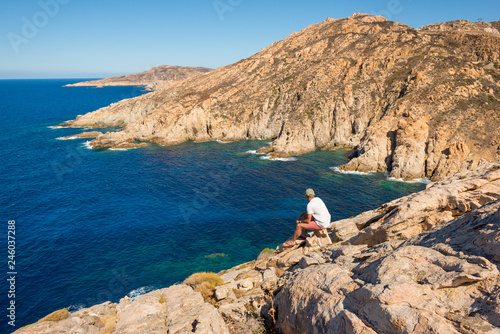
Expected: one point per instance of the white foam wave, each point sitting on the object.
(122, 149)
(87, 145)
(74, 308)
(253, 152)
(67, 138)
(223, 142)
(267, 157)
(134, 294)
(55, 127)
(421, 180)
(352, 172)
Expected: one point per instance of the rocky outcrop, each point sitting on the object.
(155, 78)
(177, 309)
(496, 25)
(463, 25)
(89, 134)
(415, 103)
(410, 215)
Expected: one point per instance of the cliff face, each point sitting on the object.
(155, 78)
(416, 103)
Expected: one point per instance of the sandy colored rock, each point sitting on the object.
(462, 26)
(420, 286)
(186, 311)
(439, 203)
(177, 309)
(319, 238)
(89, 134)
(269, 279)
(127, 146)
(290, 258)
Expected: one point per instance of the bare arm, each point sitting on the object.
(304, 218)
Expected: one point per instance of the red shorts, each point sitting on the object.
(313, 226)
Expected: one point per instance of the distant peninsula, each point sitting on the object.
(155, 78)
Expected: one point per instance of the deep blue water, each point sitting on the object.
(93, 226)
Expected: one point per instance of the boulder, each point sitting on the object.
(319, 238)
(269, 279)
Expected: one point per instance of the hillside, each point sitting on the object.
(415, 103)
(156, 78)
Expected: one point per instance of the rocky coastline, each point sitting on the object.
(425, 263)
(413, 102)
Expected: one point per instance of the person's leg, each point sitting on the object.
(298, 231)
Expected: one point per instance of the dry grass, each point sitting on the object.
(57, 315)
(109, 322)
(267, 251)
(54, 316)
(246, 265)
(162, 299)
(204, 283)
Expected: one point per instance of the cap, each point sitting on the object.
(309, 192)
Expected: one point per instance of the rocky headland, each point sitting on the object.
(155, 78)
(414, 102)
(425, 263)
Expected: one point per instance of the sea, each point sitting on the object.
(81, 227)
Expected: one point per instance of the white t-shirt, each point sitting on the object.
(320, 213)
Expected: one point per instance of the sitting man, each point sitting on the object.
(316, 217)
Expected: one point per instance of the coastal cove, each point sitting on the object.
(97, 225)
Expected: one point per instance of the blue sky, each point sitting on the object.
(92, 39)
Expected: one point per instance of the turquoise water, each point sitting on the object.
(96, 225)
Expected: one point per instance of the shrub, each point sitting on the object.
(267, 251)
(204, 283)
(57, 315)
